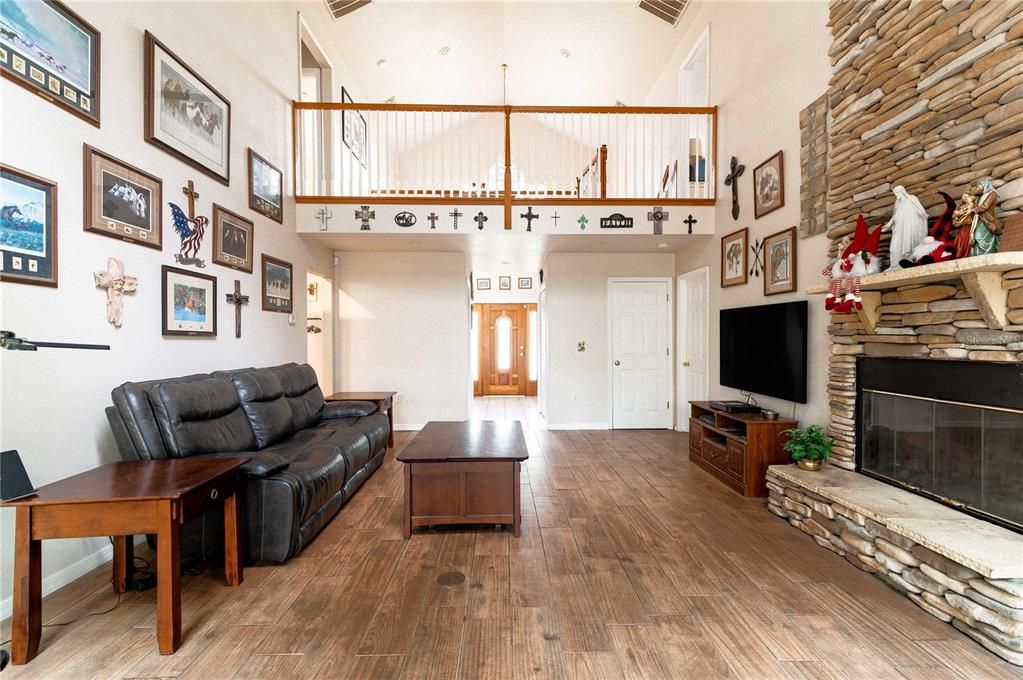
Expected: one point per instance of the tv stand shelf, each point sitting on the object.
(737, 447)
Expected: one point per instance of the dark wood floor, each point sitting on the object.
(632, 564)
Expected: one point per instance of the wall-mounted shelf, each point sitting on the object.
(982, 276)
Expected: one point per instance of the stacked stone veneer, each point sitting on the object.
(936, 321)
(988, 610)
(928, 95)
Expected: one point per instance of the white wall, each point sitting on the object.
(578, 393)
(768, 61)
(404, 325)
(52, 401)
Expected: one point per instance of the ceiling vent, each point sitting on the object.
(665, 10)
(339, 8)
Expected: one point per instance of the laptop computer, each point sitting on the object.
(14, 481)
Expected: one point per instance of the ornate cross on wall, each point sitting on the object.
(480, 219)
(116, 283)
(529, 216)
(582, 221)
(237, 299)
(456, 213)
(732, 180)
(689, 222)
(365, 214)
(432, 218)
(323, 215)
(658, 217)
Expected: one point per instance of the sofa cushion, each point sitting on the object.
(346, 409)
(265, 405)
(203, 416)
(317, 473)
(140, 424)
(303, 393)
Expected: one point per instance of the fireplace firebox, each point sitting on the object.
(948, 430)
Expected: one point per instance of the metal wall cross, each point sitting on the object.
(689, 222)
(365, 214)
(323, 215)
(555, 217)
(529, 216)
(433, 217)
(658, 217)
(456, 213)
(732, 180)
(237, 299)
(480, 219)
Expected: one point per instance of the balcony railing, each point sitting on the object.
(510, 155)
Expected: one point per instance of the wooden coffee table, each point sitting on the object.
(121, 500)
(384, 401)
(464, 473)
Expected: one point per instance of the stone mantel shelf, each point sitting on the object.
(982, 276)
(986, 548)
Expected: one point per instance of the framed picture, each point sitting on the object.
(278, 277)
(189, 303)
(525, 282)
(50, 50)
(122, 201)
(28, 228)
(232, 239)
(733, 258)
(353, 129)
(769, 186)
(780, 262)
(504, 283)
(483, 284)
(266, 188)
(184, 115)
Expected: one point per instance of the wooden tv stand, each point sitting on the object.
(737, 447)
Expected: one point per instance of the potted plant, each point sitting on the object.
(809, 446)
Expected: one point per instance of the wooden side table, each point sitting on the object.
(121, 500)
(383, 400)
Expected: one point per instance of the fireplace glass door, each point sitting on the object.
(968, 456)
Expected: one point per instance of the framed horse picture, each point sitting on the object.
(122, 201)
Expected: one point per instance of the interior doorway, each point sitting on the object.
(315, 84)
(693, 341)
(319, 328)
(505, 337)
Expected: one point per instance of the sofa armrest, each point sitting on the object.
(261, 463)
(348, 409)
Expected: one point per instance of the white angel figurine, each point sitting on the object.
(908, 225)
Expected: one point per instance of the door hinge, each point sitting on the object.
(667, 404)
(667, 351)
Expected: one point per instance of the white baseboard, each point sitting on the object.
(62, 577)
(408, 427)
(578, 426)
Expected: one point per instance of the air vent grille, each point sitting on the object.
(665, 10)
(339, 8)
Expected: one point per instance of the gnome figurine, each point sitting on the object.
(908, 226)
(858, 259)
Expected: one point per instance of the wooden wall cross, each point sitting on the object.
(190, 192)
(237, 299)
(732, 180)
(116, 284)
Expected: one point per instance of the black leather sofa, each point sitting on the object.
(308, 457)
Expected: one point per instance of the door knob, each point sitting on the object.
(617, 363)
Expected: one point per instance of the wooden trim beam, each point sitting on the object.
(466, 200)
(482, 108)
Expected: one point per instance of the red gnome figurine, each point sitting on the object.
(857, 260)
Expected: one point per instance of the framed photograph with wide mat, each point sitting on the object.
(266, 187)
(232, 239)
(780, 262)
(50, 50)
(278, 279)
(769, 185)
(189, 303)
(184, 115)
(28, 228)
(122, 201)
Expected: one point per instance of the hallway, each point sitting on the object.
(525, 409)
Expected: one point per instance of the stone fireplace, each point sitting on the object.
(951, 432)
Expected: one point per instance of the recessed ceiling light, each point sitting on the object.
(662, 245)
(505, 261)
(382, 63)
(444, 50)
(565, 53)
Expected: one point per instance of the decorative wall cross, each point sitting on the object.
(689, 222)
(456, 213)
(555, 217)
(480, 219)
(190, 228)
(529, 216)
(732, 180)
(237, 299)
(190, 192)
(658, 217)
(582, 221)
(116, 283)
(365, 214)
(323, 215)
(432, 218)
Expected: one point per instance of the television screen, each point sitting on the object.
(763, 350)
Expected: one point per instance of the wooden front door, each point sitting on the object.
(503, 363)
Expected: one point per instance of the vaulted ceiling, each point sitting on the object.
(614, 49)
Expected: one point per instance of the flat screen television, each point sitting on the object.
(763, 350)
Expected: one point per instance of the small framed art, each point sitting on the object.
(28, 228)
(733, 258)
(353, 129)
(525, 282)
(769, 186)
(780, 262)
(189, 303)
(483, 284)
(504, 283)
(232, 239)
(278, 277)
(266, 187)
(122, 201)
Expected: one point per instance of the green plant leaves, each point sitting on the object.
(811, 443)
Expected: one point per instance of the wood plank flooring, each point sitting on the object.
(632, 564)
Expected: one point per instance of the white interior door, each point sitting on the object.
(640, 353)
(693, 340)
